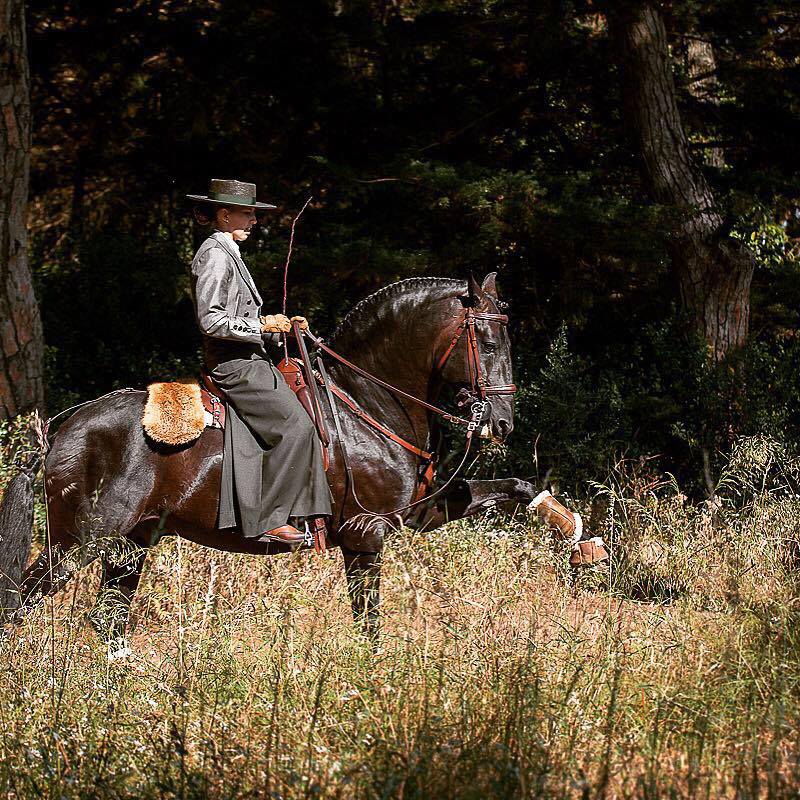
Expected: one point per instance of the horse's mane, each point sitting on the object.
(386, 292)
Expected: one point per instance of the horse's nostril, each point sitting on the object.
(505, 427)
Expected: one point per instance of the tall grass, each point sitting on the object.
(496, 676)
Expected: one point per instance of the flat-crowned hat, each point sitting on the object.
(230, 193)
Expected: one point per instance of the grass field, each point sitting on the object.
(496, 676)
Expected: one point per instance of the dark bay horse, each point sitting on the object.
(104, 480)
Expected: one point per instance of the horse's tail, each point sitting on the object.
(16, 533)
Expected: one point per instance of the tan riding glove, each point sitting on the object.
(302, 321)
(275, 323)
(279, 323)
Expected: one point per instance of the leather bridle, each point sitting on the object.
(477, 381)
(477, 396)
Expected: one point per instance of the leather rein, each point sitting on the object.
(477, 396)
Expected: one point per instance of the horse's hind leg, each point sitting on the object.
(109, 616)
(363, 571)
(67, 553)
(49, 573)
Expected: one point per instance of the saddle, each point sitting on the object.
(177, 412)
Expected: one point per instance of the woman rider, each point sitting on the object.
(273, 479)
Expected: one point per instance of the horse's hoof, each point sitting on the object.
(119, 651)
(589, 553)
(590, 578)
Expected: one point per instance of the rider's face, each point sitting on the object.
(238, 221)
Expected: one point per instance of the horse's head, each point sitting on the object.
(479, 364)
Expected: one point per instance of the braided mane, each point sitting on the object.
(386, 292)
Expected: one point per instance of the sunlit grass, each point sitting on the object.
(495, 677)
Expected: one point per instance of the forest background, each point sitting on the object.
(630, 170)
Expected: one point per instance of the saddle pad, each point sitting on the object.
(174, 413)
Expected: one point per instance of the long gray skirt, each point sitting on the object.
(272, 467)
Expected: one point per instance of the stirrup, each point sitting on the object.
(317, 532)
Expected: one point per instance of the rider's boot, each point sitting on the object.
(585, 552)
(283, 534)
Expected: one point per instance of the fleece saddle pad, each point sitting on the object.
(177, 412)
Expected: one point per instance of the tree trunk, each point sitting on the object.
(701, 65)
(21, 384)
(713, 270)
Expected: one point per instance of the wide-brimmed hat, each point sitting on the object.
(230, 193)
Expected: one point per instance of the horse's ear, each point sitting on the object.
(489, 285)
(474, 291)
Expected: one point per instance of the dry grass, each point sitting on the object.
(496, 678)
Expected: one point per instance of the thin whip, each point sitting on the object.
(286, 272)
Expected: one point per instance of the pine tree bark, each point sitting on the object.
(21, 346)
(713, 270)
(701, 64)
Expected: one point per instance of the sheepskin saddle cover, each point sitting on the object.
(174, 412)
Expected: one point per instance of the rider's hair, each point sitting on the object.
(205, 214)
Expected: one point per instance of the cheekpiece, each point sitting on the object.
(230, 193)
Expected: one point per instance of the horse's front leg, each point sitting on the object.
(468, 497)
(568, 526)
(465, 498)
(565, 525)
(363, 571)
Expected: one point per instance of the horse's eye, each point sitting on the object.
(490, 347)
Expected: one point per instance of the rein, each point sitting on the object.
(478, 395)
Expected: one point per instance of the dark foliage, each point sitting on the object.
(437, 138)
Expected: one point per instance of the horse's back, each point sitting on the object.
(93, 440)
(102, 456)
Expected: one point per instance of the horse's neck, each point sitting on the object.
(398, 348)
